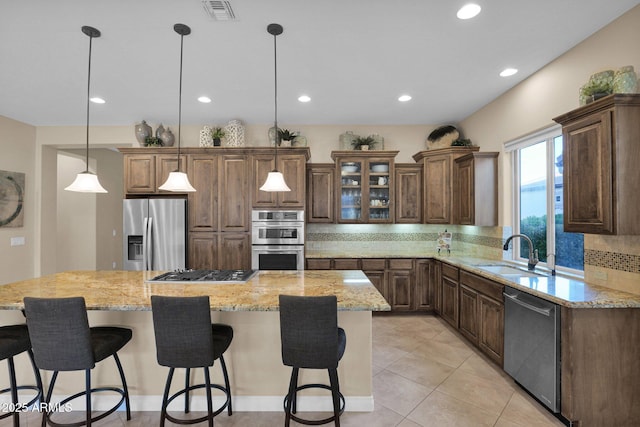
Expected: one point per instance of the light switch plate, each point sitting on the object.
(17, 241)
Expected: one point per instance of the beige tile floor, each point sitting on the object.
(424, 374)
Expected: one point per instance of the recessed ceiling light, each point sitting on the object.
(508, 72)
(468, 11)
(404, 98)
(304, 98)
(97, 100)
(204, 99)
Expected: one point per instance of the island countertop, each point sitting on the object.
(130, 291)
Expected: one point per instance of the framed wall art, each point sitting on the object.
(11, 199)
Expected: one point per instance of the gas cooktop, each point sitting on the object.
(205, 276)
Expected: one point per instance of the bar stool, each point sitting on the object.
(311, 339)
(63, 341)
(14, 339)
(186, 338)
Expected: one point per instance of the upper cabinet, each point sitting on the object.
(475, 189)
(146, 169)
(408, 186)
(320, 200)
(364, 185)
(292, 164)
(438, 180)
(601, 159)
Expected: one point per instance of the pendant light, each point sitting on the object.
(87, 182)
(275, 180)
(177, 180)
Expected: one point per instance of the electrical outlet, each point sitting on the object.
(114, 265)
(17, 241)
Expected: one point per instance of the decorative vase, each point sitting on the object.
(235, 133)
(143, 131)
(167, 137)
(216, 142)
(346, 140)
(205, 137)
(285, 143)
(159, 131)
(364, 148)
(625, 80)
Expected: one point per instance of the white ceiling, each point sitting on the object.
(353, 57)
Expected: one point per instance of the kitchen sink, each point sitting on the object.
(507, 270)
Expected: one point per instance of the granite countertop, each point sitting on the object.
(565, 291)
(129, 291)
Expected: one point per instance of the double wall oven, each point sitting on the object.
(277, 240)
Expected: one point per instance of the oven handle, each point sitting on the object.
(514, 298)
(267, 249)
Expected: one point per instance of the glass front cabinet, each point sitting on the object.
(364, 186)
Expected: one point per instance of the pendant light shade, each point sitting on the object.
(178, 181)
(87, 182)
(275, 180)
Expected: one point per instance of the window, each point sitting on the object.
(538, 205)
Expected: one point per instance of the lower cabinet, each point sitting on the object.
(481, 317)
(219, 251)
(406, 283)
(449, 294)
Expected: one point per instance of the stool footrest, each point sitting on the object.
(204, 418)
(120, 391)
(314, 422)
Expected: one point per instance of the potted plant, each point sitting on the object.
(363, 143)
(153, 141)
(287, 135)
(217, 134)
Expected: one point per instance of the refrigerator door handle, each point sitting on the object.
(149, 233)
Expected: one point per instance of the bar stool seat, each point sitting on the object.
(14, 340)
(186, 338)
(311, 339)
(63, 341)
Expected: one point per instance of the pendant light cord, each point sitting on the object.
(88, 97)
(180, 99)
(275, 97)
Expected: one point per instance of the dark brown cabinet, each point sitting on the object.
(292, 164)
(408, 193)
(425, 278)
(320, 188)
(600, 166)
(449, 304)
(438, 182)
(400, 277)
(482, 314)
(146, 170)
(475, 189)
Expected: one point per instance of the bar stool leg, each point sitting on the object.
(165, 397)
(125, 388)
(335, 389)
(14, 391)
(226, 383)
(45, 412)
(87, 381)
(187, 381)
(36, 373)
(293, 384)
(207, 382)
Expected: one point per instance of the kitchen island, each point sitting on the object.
(259, 380)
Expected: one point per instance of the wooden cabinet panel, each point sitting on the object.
(203, 251)
(600, 166)
(139, 174)
(484, 286)
(424, 284)
(203, 203)
(408, 198)
(438, 182)
(346, 264)
(475, 189)
(374, 263)
(320, 187)
(234, 251)
(293, 168)
(165, 164)
(491, 333)
(401, 289)
(234, 191)
(449, 304)
(379, 280)
(436, 279)
(469, 313)
(318, 264)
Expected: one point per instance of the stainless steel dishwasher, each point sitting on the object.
(532, 345)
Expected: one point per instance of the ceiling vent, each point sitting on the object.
(219, 10)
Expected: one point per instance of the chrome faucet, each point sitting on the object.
(533, 254)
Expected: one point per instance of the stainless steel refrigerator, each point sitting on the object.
(155, 234)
